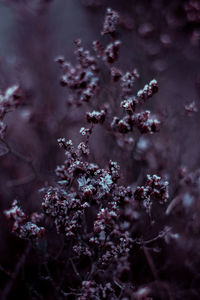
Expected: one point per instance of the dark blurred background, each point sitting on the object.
(160, 38)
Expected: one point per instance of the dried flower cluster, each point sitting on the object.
(81, 78)
(122, 205)
(88, 205)
(154, 189)
(23, 228)
(141, 120)
(111, 20)
(9, 100)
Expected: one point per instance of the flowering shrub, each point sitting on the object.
(108, 224)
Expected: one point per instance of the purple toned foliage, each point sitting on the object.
(114, 213)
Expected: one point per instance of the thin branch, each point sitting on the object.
(24, 159)
(151, 263)
(141, 242)
(75, 269)
(172, 204)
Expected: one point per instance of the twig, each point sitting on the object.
(141, 242)
(75, 269)
(158, 282)
(172, 204)
(151, 263)
(24, 159)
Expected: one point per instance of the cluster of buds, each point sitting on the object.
(98, 48)
(9, 100)
(142, 120)
(84, 58)
(66, 209)
(23, 228)
(92, 184)
(113, 251)
(191, 108)
(148, 91)
(92, 290)
(111, 20)
(113, 239)
(109, 54)
(80, 250)
(129, 104)
(127, 81)
(104, 221)
(145, 123)
(81, 185)
(154, 188)
(116, 74)
(96, 116)
(82, 78)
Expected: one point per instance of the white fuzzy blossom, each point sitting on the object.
(105, 182)
(82, 181)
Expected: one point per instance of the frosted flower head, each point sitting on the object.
(82, 181)
(105, 182)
